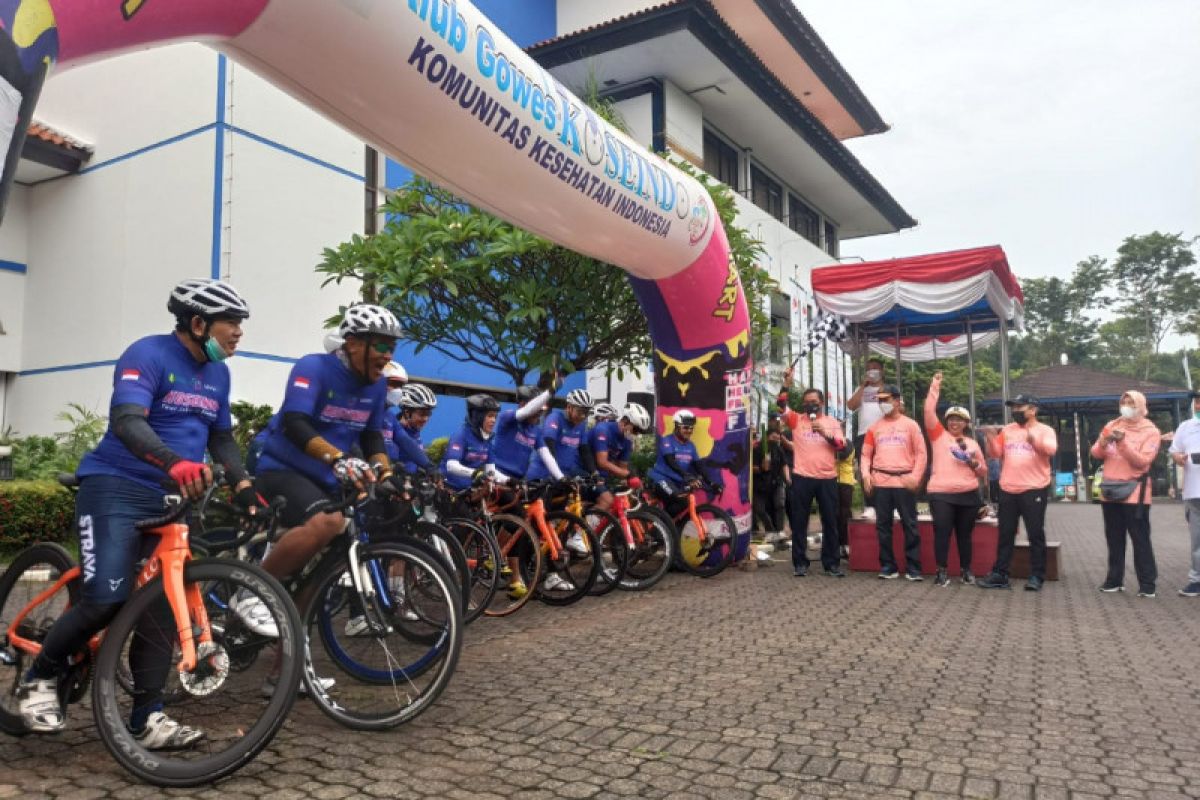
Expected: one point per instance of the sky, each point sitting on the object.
(1054, 128)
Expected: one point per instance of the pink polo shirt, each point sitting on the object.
(949, 475)
(812, 454)
(1022, 468)
(1132, 456)
(895, 445)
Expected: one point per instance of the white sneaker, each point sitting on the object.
(576, 544)
(557, 583)
(38, 703)
(254, 613)
(163, 733)
(268, 686)
(357, 626)
(868, 513)
(610, 574)
(400, 598)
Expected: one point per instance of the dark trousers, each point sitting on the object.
(1121, 519)
(1031, 507)
(950, 518)
(886, 502)
(845, 499)
(824, 490)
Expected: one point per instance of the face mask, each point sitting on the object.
(887, 408)
(1128, 412)
(1021, 417)
(1196, 414)
(394, 396)
(812, 408)
(214, 351)
(874, 374)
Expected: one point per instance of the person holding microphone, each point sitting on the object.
(893, 465)
(954, 501)
(817, 441)
(1024, 447)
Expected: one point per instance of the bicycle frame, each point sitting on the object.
(169, 558)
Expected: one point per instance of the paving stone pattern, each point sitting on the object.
(758, 684)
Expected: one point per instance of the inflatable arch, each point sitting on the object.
(435, 85)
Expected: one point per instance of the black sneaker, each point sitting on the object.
(994, 580)
(915, 577)
(1034, 584)
(835, 572)
(1111, 586)
(967, 577)
(800, 572)
(889, 574)
(1147, 591)
(942, 578)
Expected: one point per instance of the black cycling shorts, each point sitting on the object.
(304, 497)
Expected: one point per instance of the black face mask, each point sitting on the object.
(812, 408)
(1021, 417)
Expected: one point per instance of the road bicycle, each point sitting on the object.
(169, 626)
(705, 534)
(647, 538)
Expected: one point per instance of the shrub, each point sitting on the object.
(34, 511)
(437, 449)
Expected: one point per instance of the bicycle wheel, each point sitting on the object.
(654, 549)
(614, 550)
(394, 667)
(483, 561)
(577, 565)
(238, 711)
(712, 555)
(519, 544)
(33, 571)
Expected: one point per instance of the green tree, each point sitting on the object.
(1059, 315)
(1154, 282)
(248, 420)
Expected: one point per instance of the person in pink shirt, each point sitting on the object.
(1128, 446)
(893, 466)
(1024, 448)
(953, 489)
(817, 442)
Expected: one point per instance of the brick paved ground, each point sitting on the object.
(757, 684)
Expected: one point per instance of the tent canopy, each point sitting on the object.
(920, 297)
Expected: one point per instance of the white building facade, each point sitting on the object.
(190, 165)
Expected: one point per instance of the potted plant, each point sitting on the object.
(7, 438)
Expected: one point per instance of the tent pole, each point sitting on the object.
(1080, 486)
(899, 377)
(971, 370)
(1004, 369)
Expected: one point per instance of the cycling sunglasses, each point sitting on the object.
(383, 346)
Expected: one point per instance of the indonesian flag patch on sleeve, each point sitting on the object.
(300, 383)
(130, 374)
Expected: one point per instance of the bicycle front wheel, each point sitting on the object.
(653, 550)
(709, 551)
(237, 711)
(388, 653)
(484, 561)
(520, 566)
(33, 571)
(571, 576)
(614, 550)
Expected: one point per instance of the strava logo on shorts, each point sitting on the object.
(87, 547)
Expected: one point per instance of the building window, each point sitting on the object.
(766, 193)
(803, 220)
(831, 239)
(781, 326)
(721, 160)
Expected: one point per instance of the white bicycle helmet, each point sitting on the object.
(605, 411)
(684, 418)
(581, 398)
(417, 396)
(393, 371)
(365, 320)
(637, 415)
(206, 298)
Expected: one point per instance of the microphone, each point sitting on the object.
(812, 416)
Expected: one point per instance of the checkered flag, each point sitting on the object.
(831, 327)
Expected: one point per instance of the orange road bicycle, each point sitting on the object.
(238, 700)
(643, 541)
(705, 535)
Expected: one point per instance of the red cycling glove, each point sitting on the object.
(185, 472)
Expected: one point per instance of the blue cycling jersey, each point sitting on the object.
(411, 450)
(606, 437)
(685, 455)
(566, 438)
(340, 407)
(513, 442)
(469, 449)
(185, 398)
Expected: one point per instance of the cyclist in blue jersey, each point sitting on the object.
(604, 412)
(611, 442)
(678, 466)
(517, 430)
(468, 453)
(334, 401)
(416, 407)
(561, 448)
(170, 403)
(399, 445)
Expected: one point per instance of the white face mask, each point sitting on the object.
(887, 408)
(1128, 412)
(394, 396)
(874, 374)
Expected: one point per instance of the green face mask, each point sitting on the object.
(1196, 414)
(213, 351)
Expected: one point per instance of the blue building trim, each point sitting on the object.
(219, 167)
(141, 150)
(293, 152)
(12, 266)
(67, 368)
(266, 357)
